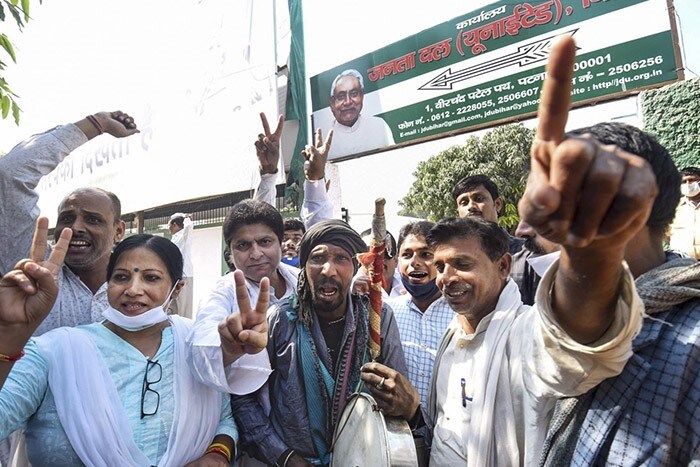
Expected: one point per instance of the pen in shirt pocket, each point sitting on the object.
(465, 398)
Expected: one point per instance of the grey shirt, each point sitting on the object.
(20, 172)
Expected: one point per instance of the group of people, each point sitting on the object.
(489, 357)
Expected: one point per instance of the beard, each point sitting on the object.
(325, 304)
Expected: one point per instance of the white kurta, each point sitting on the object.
(538, 365)
(367, 133)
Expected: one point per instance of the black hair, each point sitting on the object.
(389, 243)
(250, 211)
(473, 181)
(114, 199)
(166, 250)
(493, 239)
(178, 221)
(635, 141)
(685, 171)
(419, 229)
(292, 223)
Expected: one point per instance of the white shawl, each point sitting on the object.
(490, 424)
(92, 414)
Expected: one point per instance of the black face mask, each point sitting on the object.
(421, 292)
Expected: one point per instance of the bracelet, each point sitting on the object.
(286, 459)
(95, 123)
(11, 358)
(219, 452)
(221, 446)
(221, 449)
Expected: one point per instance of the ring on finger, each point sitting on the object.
(380, 384)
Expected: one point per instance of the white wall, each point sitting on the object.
(206, 261)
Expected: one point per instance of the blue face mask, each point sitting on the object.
(421, 292)
(291, 261)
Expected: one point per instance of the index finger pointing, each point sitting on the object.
(37, 252)
(556, 91)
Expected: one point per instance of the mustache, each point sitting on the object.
(532, 245)
(327, 283)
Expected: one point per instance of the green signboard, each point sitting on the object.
(487, 66)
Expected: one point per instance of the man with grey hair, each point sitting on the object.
(353, 131)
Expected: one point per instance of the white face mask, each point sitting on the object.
(690, 190)
(140, 322)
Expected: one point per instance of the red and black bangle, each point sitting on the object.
(95, 123)
(11, 358)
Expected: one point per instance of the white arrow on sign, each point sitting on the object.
(526, 54)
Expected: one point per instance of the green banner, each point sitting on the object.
(502, 18)
(633, 65)
(487, 66)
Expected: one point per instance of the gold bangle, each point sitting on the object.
(214, 447)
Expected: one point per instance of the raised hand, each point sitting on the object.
(316, 155)
(581, 193)
(117, 123)
(245, 331)
(28, 292)
(267, 147)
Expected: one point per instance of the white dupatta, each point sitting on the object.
(92, 414)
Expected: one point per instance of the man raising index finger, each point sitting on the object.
(501, 365)
(589, 198)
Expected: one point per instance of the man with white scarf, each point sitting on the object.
(502, 365)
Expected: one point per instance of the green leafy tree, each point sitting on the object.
(503, 154)
(20, 12)
(672, 113)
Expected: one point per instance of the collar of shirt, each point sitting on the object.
(462, 338)
(339, 127)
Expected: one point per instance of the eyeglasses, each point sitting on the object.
(154, 373)
(353, 94)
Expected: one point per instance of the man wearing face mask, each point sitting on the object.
(685, 230)
(294, 229)
(422, 314)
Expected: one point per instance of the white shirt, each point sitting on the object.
(541, 364)
(397, 288)
(249, 372)
(685, 230)
(454, 405)
(183, 240)
(366, 134)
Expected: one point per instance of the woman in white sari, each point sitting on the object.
(112, 393)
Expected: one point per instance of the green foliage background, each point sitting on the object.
(19, 11)
(672, 114)
(502, 154)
